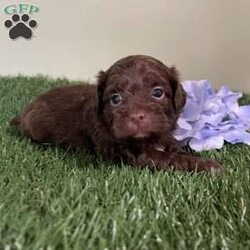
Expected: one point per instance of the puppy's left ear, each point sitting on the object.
(179, 95)
(101, 84)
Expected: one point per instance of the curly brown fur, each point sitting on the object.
(129, 115)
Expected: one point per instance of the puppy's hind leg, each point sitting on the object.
(15, 121)
(34, 124)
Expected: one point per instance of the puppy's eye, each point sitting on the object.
(157, 93)
(116, 99)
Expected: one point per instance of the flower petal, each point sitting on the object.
(192, 110)
(237, 136)
(209, 118)
(213, 142)
(182, 123)
(182, 134)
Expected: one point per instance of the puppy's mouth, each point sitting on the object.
(135, 132)
(139, 126)
(139, 134)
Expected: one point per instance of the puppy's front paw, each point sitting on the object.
(192, 163)
(211, 165)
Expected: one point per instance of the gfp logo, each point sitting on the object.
(20, 24)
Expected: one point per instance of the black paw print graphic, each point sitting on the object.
(20, 27)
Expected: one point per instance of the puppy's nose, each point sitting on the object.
(140, 116)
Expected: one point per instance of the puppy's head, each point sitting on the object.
(139, 97)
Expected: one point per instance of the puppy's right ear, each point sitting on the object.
(101, 84)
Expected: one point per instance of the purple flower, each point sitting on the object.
(209, 118)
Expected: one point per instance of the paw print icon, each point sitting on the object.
(20, 26)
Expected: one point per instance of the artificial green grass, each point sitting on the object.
(56, 199)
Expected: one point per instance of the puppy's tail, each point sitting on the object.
(15, 121)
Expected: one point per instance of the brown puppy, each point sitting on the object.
(129, 115)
